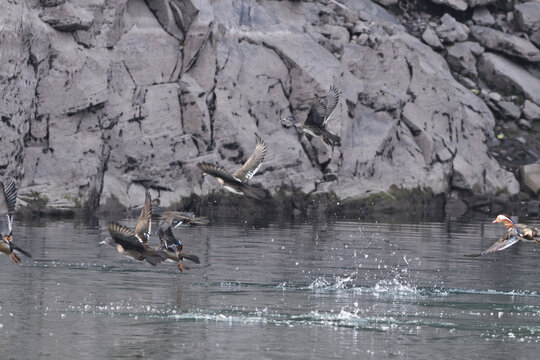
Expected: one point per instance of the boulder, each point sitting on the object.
(505, 43)
(462, 57)
(451, 30)
(509, 109)
(66, 17)
(535, 38)
(507, 76)
(430, 37)
(531, 111)
(530, 177)
(524, 124)
(527, 16)
(482, 16)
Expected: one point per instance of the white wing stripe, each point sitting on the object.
(252, 172)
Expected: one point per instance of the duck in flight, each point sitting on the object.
(514, 233)
(320, 112)
(133, 243)
(526, 232)
(8, 198)
(237, 182)
(173, 248)
(177, 218)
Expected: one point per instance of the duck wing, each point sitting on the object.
(252, 164)
(143, 228)
(4, 207)
(177, 218)
(124, 236)
(167, 239)
(218, 172)
(153, 257)
(332, 98)
(508, 239)
(10, 193)
(315, 116)
(8, 197)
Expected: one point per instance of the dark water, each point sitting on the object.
(272, 291)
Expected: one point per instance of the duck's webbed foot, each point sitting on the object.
(15, 258)
(181, 266)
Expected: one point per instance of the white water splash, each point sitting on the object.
(337, 283)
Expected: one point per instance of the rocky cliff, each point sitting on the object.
(102, 98)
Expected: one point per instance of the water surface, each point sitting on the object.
(273, 290)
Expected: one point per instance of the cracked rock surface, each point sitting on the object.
(133, 94)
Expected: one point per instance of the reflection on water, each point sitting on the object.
(273, 290)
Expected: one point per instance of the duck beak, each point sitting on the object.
(495, 221)
(102, 242)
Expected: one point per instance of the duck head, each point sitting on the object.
(108, 241)
(505, 220)
(289, 121)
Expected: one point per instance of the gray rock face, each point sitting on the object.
(527, 16)
(451, 31)
(509, 110)
(535, 38)
(148, 89)
(66, 17)
(530, 177)
(462, 57)
(482, 16)
(505, 43)
(430, 37)
(524, 124)
(507, 76)
(531, 111)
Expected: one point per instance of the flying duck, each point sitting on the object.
(173, 248)
(514, 233)
(177, 218)
(510, 237)
(526, 232)
(133, 243)
(320, 112)
(237, 182)
(8, 198)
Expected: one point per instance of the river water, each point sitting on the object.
(273, 290)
